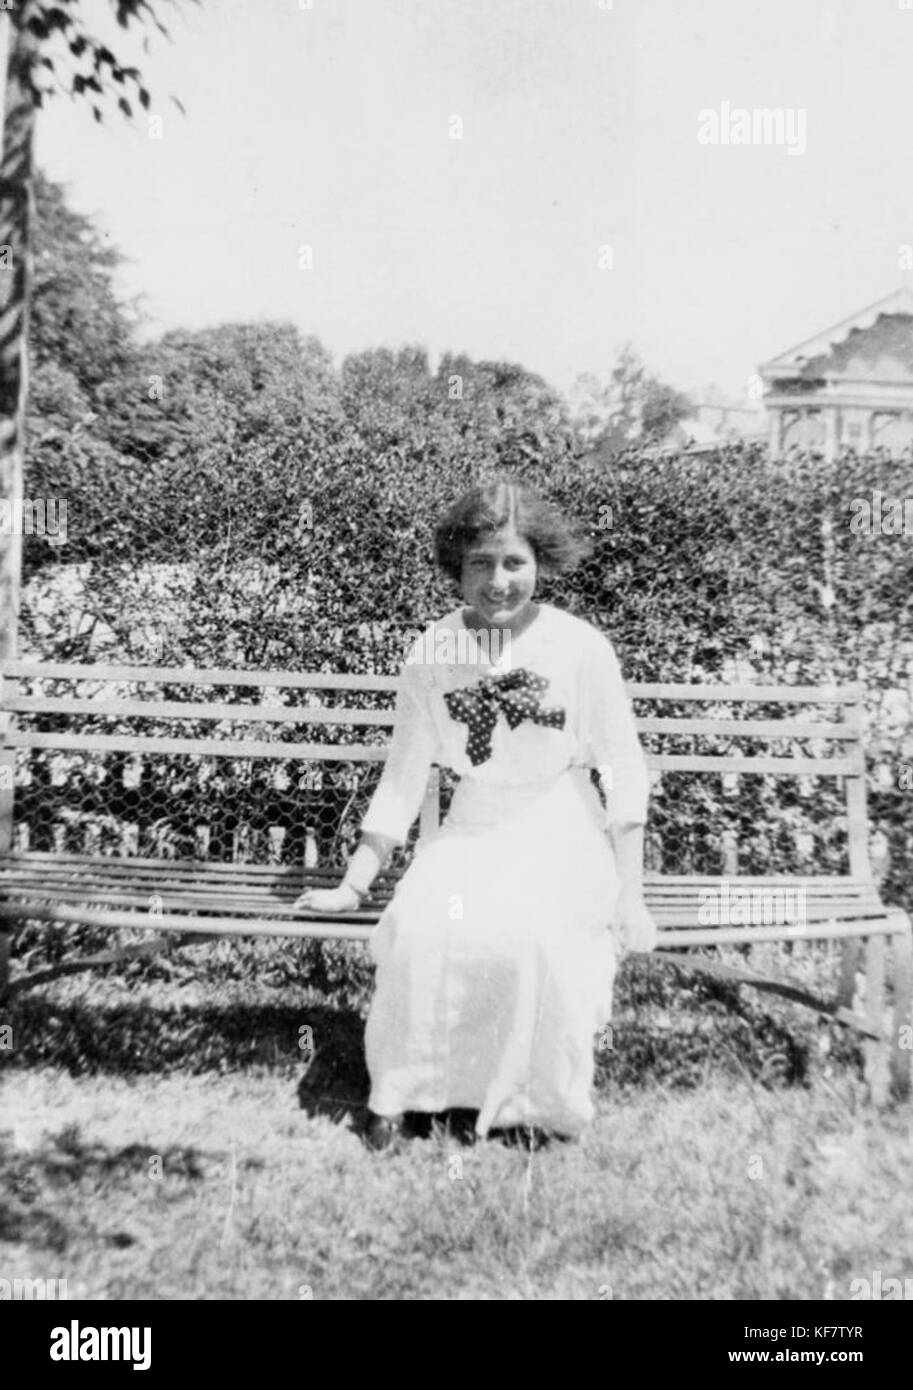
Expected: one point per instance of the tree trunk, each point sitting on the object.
(15, 289)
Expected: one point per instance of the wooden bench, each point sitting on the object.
(179, 800)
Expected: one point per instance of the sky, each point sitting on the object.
(582, 206)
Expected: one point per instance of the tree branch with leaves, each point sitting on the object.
(48, 46)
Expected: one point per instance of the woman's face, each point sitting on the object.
(499, 577)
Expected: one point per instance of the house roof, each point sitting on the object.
(788, 363)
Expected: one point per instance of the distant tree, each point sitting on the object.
(78, 321)
(221, 388)
(588, 407)
(81, 353)
(662, 408)
(81, 333)
(626, 390)
(388, 395)
(44, 42)
(467, 420)
(632, 407)
(514, 419)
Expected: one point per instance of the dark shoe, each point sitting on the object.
(459, 1125)
(384, 1131)
(530, 1138)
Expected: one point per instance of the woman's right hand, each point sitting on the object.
(634, 921)
(342, 898)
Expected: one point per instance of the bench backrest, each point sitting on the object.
(138, 713)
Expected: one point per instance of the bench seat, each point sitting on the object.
(104, 751)
(181, 894)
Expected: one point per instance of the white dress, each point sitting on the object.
(495, 958)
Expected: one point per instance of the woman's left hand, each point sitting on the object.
(634, 922)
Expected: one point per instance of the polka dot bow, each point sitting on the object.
(518, 693)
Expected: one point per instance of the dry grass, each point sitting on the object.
(154, 1145)
(729, 1191)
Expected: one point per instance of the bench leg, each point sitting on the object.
(6, 943)
(849, 968)
(902, 1022)
(875, 1058)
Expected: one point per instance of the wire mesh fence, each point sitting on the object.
(131, 798)
(715, 568)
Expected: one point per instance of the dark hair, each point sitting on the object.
(490, 507)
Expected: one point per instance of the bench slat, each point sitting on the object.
(837, 766)
(191, 675)
(793, 880)
(757, 694)
(748, 728)
(301, 714)
(360, 752)
(244, 904)
(109, 869)
(748, 936)
(251, 888)
(325, 680)
(249, 877)
(173, 709)
(214, 899)
(48, 860)
(339, 927)
(344, 926)
(243, 900)
(284, 889)
(737, 890)
(225, 748)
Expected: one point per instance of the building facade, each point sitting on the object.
(849, 387)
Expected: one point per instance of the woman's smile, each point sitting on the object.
(499, 577)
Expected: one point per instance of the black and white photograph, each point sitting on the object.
(456, 665)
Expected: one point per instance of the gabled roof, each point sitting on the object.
(788, 363)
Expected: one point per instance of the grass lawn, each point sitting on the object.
(223, 1187)
(162, 1136)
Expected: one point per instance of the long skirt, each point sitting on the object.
(496, 960)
